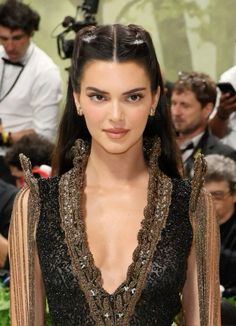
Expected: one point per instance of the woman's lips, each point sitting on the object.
(116, 133)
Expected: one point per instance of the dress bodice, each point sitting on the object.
(177, 211)
(151, 294)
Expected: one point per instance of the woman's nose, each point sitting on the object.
(117, 112)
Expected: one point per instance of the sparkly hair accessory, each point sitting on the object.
(87, 33)
(89, 37)
(138, 41)
(138, 34)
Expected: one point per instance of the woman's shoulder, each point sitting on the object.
(37, 187)
(192, 188)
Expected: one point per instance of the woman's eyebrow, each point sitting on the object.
(138, 89)
(134, 90)
(96, 90)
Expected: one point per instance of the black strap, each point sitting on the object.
(6, 61)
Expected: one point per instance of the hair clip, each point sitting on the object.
(89, 37)
(138, 41)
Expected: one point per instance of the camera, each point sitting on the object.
(64, 45)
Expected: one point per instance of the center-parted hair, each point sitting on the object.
(115, 43)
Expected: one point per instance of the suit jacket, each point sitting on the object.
(209, 144)
(228, 254)
(7, 195)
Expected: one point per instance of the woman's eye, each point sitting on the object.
(134, 97)
(97, 97)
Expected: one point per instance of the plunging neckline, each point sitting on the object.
(102, 303)
(134, 252)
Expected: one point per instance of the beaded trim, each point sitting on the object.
(206, 237)
(200, 167)
(115, 309)
(33, 218)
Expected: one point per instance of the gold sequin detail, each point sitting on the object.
(206, 237)
(71, 191)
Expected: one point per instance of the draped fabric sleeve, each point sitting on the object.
(26, 286)
(206, 245)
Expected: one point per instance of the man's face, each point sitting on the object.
(15, 42)
(224, 200)
(188, 115)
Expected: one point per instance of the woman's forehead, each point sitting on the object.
(112, 72)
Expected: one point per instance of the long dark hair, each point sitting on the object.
(115, 43)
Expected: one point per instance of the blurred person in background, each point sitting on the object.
(223, 122)
(192, 101)
(38, 149)
(220, 181)
(30, 87)
(7, 196)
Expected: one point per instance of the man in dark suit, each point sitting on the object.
(7, 195)
(192, 101)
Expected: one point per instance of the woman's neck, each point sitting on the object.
(108, 169)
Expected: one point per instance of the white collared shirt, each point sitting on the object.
(187, 153)
(33, 103)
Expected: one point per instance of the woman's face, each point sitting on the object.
(116, 100)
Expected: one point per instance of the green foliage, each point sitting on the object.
(165, 9)
(232, 300)
(4, 306)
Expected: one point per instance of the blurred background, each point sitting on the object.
(188, 34)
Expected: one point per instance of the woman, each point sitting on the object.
(100, 261)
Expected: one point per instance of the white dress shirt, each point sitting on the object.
(33, 103)
(230, 138)
(187, 152)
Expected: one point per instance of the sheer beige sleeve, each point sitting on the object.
(201, 295)
(27, 302)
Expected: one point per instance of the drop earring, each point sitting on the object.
(80, 112)
(152, 112)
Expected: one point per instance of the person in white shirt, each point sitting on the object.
(223, 123)
(30, 83)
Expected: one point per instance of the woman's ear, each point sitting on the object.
(77, 103)
(76, 99)
(155, 97)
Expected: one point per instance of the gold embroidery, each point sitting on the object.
(197, 181)
(206, 237)
(33, 217)
(115, 309)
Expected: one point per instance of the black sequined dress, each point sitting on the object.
(151, 292)
(74, 292)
